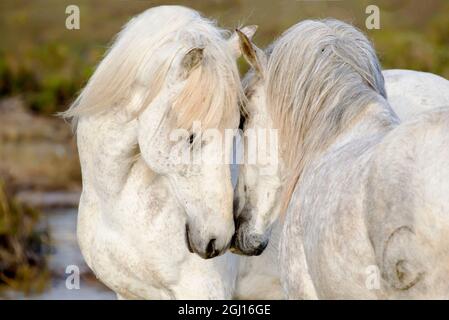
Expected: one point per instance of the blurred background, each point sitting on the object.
(42, 67)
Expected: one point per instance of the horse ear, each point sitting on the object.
(255, 56)
(233, 41)
(191, 61)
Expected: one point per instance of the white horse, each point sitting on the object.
(409, 93)
(140, 210)
(344, 133)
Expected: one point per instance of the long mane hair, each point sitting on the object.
(140, 57)
(320, 76)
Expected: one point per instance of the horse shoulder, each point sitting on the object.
(325, 218)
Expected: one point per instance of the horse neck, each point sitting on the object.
(338, 125)
(374, 117)
(108, 148)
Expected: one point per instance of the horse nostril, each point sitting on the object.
(210, 249)
(258, 251)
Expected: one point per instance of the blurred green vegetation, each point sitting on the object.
(47, 64)
(23, 266)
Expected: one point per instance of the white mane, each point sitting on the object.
(140, 57)
(321, 76)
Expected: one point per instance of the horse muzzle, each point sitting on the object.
(246, 243)
(208, 250)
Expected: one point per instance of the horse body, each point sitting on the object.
(407, 91)
(370, 196)
(376, 204)
(138, 249)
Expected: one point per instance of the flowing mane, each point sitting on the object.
(134, 69)
(321, 75)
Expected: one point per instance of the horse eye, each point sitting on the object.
(192, 138)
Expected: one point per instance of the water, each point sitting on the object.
(65, 252)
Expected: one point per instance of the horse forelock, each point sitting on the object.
(140, 58)
(213, 92)
(321, 74)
